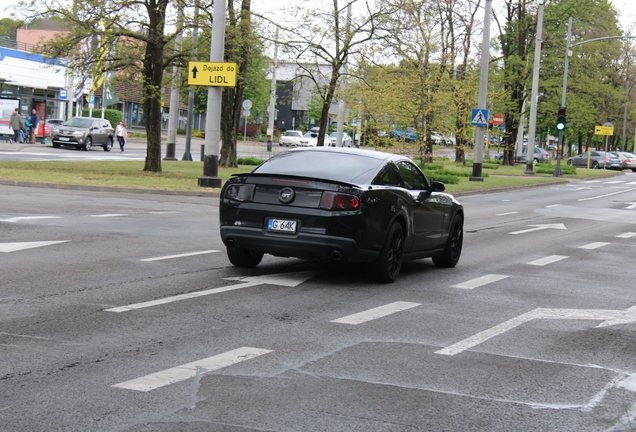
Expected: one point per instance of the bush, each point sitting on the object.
(113, 116)
(249, 161)
(491, 165)
(444, 178)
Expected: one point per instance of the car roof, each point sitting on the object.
(363, 152)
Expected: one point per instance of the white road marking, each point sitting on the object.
(108, 215)
(615, 182)
(631, 183)
(594, 245)
(547, 260)
(506, 214)
(539, 228)
(163, 212)
(609, 317)
(179, 256)
(606, 195)
(283, 279)
(376, 313)
(190, 370)
(631, 206)
(13, 247)
(553, 205)
(480, 281)
(591, 181)
(626, 235)
(22, 218)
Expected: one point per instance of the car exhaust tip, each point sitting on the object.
(230, 243)
(336, 255)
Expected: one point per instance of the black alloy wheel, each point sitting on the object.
(241, 257)
(389, 262)
(453, 248)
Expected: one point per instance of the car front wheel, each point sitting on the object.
(453, 248)
(241, 257)
(109, 145)
(389, 263)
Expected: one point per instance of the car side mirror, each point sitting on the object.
(437, 186)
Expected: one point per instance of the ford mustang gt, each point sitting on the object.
(340, 203)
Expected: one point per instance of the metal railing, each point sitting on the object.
(6, 42)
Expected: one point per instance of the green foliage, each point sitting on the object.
(491, 165)
(250, 161)
(113, 116)
(444, 178)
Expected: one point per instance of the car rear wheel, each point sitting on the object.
(453, 248)
(570, 162)
(88, 144)
(109, 144)
(56, 145)
(595, 165)
(241, 257)
(389, 263)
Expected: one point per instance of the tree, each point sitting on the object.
(118, 35)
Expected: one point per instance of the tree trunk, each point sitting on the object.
(152, 83)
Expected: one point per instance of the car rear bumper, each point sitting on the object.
(301, 245)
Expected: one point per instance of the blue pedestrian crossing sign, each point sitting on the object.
(479, 117)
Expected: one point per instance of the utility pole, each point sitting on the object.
(532, 128)
(272, 98)
(483, 90)
(210, 176)
(341, 102)
(187, 155)
(173, 118)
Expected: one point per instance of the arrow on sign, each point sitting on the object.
(12, 247)
(609, 318)
(540, 227)
(194, 72)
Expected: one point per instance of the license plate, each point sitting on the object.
(63, 139)
(281, 225)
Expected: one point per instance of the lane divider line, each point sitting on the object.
(594, 245)
(179, 255)
(548, 260)
(376, 313)
(480, 281)
(190, 370)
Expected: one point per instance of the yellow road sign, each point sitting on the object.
(603, 130)
(212, 74)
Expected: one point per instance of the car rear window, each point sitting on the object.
(349, 168)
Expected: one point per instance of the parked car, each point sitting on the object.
(83, 132)
(346, 139)
(540, 155)
(346, 204)
(628, 160)
(407, 134)
(310, 139)
(598, 159)
(290, 138)
(49, 124)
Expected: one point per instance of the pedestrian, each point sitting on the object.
(16, 125)
(35, 120)
(122, 134)
(27, 130)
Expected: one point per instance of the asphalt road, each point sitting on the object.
(121, 312)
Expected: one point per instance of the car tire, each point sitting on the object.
(241, 257)
(389, 263)
(595, 165)
(570, 162)
(56, 145)
(453, 247)
(633, 169)
(88, 144)
(109, 145)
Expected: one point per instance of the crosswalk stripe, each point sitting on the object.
(376, 313)
(179, 256)
(626, 235)
(594, 245)
(190, 370)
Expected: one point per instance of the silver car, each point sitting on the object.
(598, 160)
(628, 160)
(83, 132)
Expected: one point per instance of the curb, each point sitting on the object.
(108, 189)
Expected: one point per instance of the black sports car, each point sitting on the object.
(352, 204)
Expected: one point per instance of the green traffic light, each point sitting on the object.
(560, 126)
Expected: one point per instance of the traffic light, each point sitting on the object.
(560, 125)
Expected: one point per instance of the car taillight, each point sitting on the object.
(339, 201)
(240, 192)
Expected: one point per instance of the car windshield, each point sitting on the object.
(78, 122)
(629, 155)
(293, 134)
(350, 168)
(310, 135)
